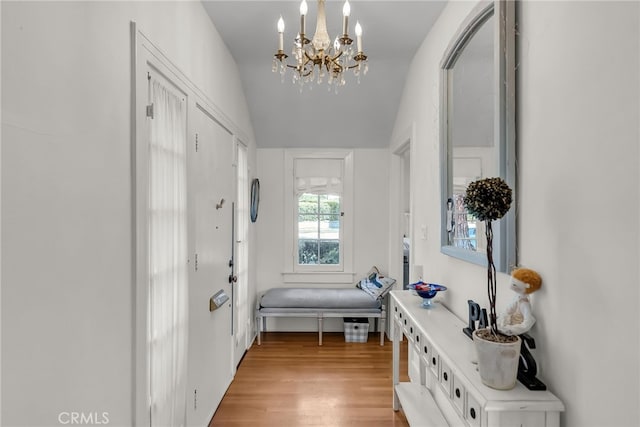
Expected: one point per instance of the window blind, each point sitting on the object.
(319, 176)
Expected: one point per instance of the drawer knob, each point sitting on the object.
(458, 393)
(472, 412)
(433, 360)
(425, 349)
(418, 338)
(446, 377)
(411, 329)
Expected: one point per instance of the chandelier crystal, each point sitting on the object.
(313, 60)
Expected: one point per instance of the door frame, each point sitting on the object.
(144, 51)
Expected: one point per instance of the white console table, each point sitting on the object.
(445, 388)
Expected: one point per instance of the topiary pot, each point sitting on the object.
(497, 361)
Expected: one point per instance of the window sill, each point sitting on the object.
(318, 277)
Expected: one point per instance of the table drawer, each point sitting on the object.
(458, 395)
(425, 350)
(434, 362)
(446, 377)
(395, 310)
(473, 413)
(407, 325)
(418, 338)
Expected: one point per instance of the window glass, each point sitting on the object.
(319, 229)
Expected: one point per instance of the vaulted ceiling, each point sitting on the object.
(359, 115)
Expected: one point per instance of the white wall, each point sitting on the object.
(578, 213)
(371, 215)
(67, 276)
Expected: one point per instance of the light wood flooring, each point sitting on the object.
(290, 381)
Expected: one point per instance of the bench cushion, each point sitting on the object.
(316, 312)
(329, 298)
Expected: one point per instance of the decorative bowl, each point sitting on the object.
(427, 291)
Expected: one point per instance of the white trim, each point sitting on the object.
(142, 410)
(290, 268)
(318, 277)
(0, 241)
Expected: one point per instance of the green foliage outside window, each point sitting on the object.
(318, 229)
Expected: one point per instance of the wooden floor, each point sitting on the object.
(290, 381)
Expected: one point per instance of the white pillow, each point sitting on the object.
(376, 285)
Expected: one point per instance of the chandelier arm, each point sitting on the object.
(304, 65)
(334, 64)
(299, 70)
(337, 56)
(306, 55)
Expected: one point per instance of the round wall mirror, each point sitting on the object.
(255, 199)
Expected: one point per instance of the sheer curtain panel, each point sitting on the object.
(168, 287)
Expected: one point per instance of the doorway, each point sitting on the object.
(400, 223)
(405, 203)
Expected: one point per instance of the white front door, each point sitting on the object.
(213, 196)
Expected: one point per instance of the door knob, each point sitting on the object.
(232, 278)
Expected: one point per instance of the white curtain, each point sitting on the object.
(242, 235)
(168, 292)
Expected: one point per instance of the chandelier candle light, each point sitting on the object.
(314, 59)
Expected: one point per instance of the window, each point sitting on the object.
(467, 233)
(319, 229)
(318, 211)
(168, 299)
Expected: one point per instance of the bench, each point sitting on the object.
(365, 300)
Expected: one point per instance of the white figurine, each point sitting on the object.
(517, 318)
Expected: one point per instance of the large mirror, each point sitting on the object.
(478, 130)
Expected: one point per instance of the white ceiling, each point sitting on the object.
(359, 115)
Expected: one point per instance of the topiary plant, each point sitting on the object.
(489, 199)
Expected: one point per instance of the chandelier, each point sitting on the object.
(315, 59)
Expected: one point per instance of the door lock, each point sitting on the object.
(233, 278)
